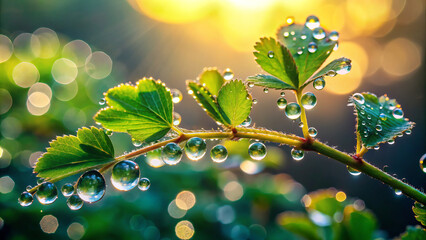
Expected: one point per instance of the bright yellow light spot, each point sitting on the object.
(6, 48)
(64, 71)
(174, 211)
(185, 200)
(98, 65)
(77, 51)
(233, 191)
(49, 224)
(340, 196)
(75, 231)
(250, 167)
(49, 42)
(25, 74)
(289, 20)
(155, 161)
(307, 200)
(39, 99)
(184, 230)
(6, 184)
(401, 57)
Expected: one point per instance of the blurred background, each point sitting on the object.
(58, 57)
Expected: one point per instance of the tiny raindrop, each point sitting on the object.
(318, 33)
(246, 122)
(254, 101)
(377, 147)
(176, 119)
(265, 90)
(144, 184)
(312, 22)
(334, 36)
(228, 74)
(353, 171)
(271, 54)
(282, 94)
(281, 103)
(301, 124)
(345, 68)
(423, 163)
(74, 202)
(176, 95)
(382, 116)
(289, 20)
(359, 98)
(408, 132)
(336, 46)
(379, 128)
(136, 143)
(286, 34)
(391, 141)
(25, 199)
(102, 101)
(250, 84)
(293, 110)
(385, 168)
(398, 192)
(331, 73)
(312, 47)
(299, 51)
(257, 151)
(312, 132)
(297, 154)
(319, 83)
(67, 189)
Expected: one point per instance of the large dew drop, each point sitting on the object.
(246, 122)
(228, 74)
(47, 193)
(91, 186)
(195, 148)
(309, 100)
(293, 110)
(144, 184)
(319, 83)
(312, 47)
(345, 68)
(312, 22)
(67, 189)
(297, 154)
(281, 103)
(257, 151)
(125, 175)
(219, 153)
(318, 33)
(312, 132)
(353, 171)
(334, 36)
(25, 199)
(398, 113)
(74, 202)
(176, 95)
(171, 154)
(423, 163)
(359, 98)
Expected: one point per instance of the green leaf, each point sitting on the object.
(300, 224)
(234, 102)
(212, 80)
(359, 224)
(206, 100)
(69, 155)
(414, 233)
(296, 38)
(372, 128)
(331, 68)
(269, 82)
(420, 212)
(144, 111)
(324, 201)
(275, 59)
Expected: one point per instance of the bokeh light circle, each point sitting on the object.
(64, 71)
(5, 100)
(98, 65)
(6, 48)
(25, 74)
(184, 230)
(77, 51)
(26, 46)
(49, 42)
(401, 57)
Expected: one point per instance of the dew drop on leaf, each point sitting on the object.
(379, 128)
(74, 202)
(423, 163)
(293, 110)
(67, 189)
(176, 119)
(219, 153)
(299, 51)
(336, 46)
(102, 101)
(312, 22)
(344, 68)
(176, 95)
(408, 132)
(28, 188)
(309, 100)
(25, 199)
(359, 98)
(319, 83)
(195, 148)
(254, 101)
(228, 74)
(331, 73)
(312, 132)
(398, 192)
(398, 113)
(144, 184)
(250, 84)
(271, 54)
(391, 141)
(246, 122)
(281, 103)
(265, 90)
(297, 154)
(91, 186)
(47, 193)
(353, 171)
(318, 33)
(383, 117)
(312, 47)
(171, 154)
(257, 151)
(125, 175)
(377, 147)
(136, 143)
(334, 36)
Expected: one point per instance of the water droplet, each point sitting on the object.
(336, 46)
(334, 36)
(359, 98)
(398, 113)
(67, 189)
(408, 132)
(219, 153)
(353, 171)
(286, 34)
(102, 101)
(303, 36)
(125, 175)
(25, 199)
(171, 154)
(40, 180)
(383, 116)
(391, 141)
(28, 188)
(377, 147)
(385, 168)
(250, 84)
(312, 47)
(301, 124)
(91, 186)
(282, 94)
(299, 51)
(195, 148)
(293, 110)
(257, 151)
(74, 202)
(398, 192)
(345, 67)
(246, 122)
(176, 95)
(318, 33)
(265, 90)
(144, 184)
(254, 101)
(297, 154)
(108, 132)
(289, 20)
(363, 124)
(319, 83)
(271, 54)
(281, 103)
(228, 74)
(423, 163)
(47, 193)
(379, 128)
(312, 132)
(312, 22)
(309, 100)
(176, 119)
(331, 73)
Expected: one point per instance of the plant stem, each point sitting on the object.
(305, 127)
